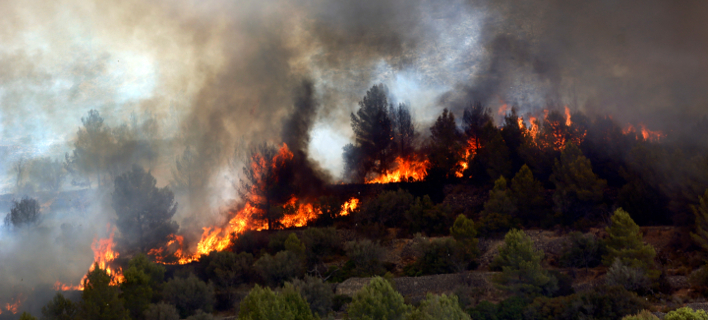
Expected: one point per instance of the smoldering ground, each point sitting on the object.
(217, 74)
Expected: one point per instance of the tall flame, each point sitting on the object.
(406, 170)
(469, 151)
(646, 134)
(15, 305)
(349, 206)
(568, 122)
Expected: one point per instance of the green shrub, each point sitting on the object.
(583, 251)
(189, 295)
(161, 311)
(465, 235)
(441, 307)
(100, 300)
(317, 293)
(277, 241)
(435, 256)
(521, 267)
(59, 308)
(388, 209)
(698, 279)
(378, 300)
(264, 304)
(424, 216)
(625, 242)
(511, 308)
(686, 313)
(275, 270)
(143, 284)
(366, 256)
(643, 315)
(609, 303)
(632, 279)
(27, 316)
(339, 301)
(484, 310)
(227, 271)
(320, 243)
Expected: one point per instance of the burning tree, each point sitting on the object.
(263, 186)
(144, 211)
(444, 146)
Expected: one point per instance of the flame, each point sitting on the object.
(176, 244)
(520, 121)
(304, 213)
(15, 305)
(646, 134)
(406, 170)
(567, 117)
(533, 131)
(103, 255)
(349, 206)
(470, 151)
(502, 110)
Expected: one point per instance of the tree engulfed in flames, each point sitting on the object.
(103, 255)
(349, 206)
(406, 170)
(469, 152)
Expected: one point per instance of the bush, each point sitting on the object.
(143, 282)
(200, 315)
(320, 243)
(23, 213)
(317, 293)
(643, 315)
(161, 311)
(60, 308)
(27, 316)
(227, 270)
(189, 295)
(388, 209)
(275, 270)
(511, 308)
(521, 267)
(439, 307)
(424, 216)
(277, 241)
(465, 235)
(698, 279)
(583, 251)
(378, 300)
(339, 301)
(625, 242)
(366, 256)
(435, 256)
(602, 303)
(264, 304)
(484, 310)
(686, 313)
(632, 279)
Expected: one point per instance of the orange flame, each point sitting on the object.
(103, 255)
(646, 134)
(568, 122)
(406, 170)
(349, 206)
(470, 151)
(14, 306)
(502, 110)
(304, 213)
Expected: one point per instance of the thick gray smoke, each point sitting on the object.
(220, 74)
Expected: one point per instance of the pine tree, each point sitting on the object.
(100, 300)
(439, 307)
(528, 195)
(445, 146)
(701, 213)
(373, 129)
(520, 263)
(264, 304)
(466, 242)
(499, 210)
(624, 242)
(378, 300)
(579, 191)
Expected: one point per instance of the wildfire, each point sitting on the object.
(647, 135)
(503, 109)
(406, 170)
(349, 206)
(304, 213)
(103, 255)
(568, 122)
(470, 151)
(15, 305)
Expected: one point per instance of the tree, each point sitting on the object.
(499, 210)
(366, 256)
(583, 251)
(579, 191)
(378, 300)
(686, 313)
(92, 144)
(427, 217)
(445, 146)
(373, 130)
(521, 267)
(47, 173)
(189, 295)
(475, 118)
(27, 316)
(101, 300)
(186, 173)
(404, 133)
(23, 213)
(514, 134)
(466, 242)
(441, 307)
(59, 308)
(528, 195)
(701, 214)
(161, 311)
(624, 242)
(643, 315)
(227, 270)
(143, 280)
(316, 292)
(144, 211)
(263, 184)
(264, 304)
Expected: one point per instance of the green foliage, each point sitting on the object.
(528, 195)
(499, 210)
(492, 158)
(316, 292)
(100, 300)
(387, 209)
(511, 308)
(439, 307)
(320, 243)
(698, 279)
(294, 245)
(445, 146)
(579, 192)
(632, 279)
(161, 311)
(686, 313)
(521, 267)
(264, 304)
(624, 241)
(465, 235)
(378, 300)
(27, 316)
(227, 271)
(59, 308)
(144, 211)
(701, 214)
(143, 281)
(189, 295)
(281, 267)
(366, 256)
(437, 256)
(424, 216)
(339, 301)
(643, 315)
(23, 213)
(602, 303)
(200, 315)
(484, 310)
(582, 251)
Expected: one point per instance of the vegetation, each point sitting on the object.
(264, 304)
(701, 214)
(583, 251)
(23, 213)
(686, 313)
(378, 300)
(100, 300)
(189, 295)
(439, 307)
(366, 256)
(625, 242)
(499, 211)
(60, 308)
